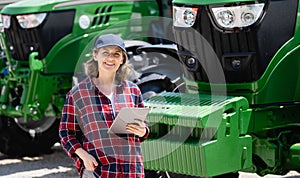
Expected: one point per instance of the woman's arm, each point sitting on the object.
(69, 127)
(89, 161)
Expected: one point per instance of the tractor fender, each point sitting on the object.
(168, 49)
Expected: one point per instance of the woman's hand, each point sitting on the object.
(89, 161)
(138, 128)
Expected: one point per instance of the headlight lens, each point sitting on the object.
(184, 16)
(226, 17)
(238, 16)
(6, 21)
(31, 20)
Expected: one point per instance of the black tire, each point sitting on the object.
(16, 142)
(228, 175)
(151, 174)
(152, 84)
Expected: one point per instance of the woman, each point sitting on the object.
(90, 108)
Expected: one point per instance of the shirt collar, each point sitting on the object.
(90, 84)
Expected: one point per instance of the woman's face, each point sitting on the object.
(109, 58)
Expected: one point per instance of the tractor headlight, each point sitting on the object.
(237, 16)
(184, 16)
(31, 20)
(6, 21)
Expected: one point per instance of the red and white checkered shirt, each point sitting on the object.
(86, 117)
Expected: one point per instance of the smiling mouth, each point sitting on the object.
(109, 64)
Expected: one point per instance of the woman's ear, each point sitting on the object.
(95, 52)
(124, 58)
(95, 57)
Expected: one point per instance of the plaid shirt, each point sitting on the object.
(86, 117)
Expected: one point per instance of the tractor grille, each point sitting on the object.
(100, 15)
(21, 42)
(244, 54)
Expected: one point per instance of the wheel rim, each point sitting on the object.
(33, 127)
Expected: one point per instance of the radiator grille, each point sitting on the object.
(244, 54)
(21, 42)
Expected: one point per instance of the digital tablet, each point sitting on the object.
(126, 116)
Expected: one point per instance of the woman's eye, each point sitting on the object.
(117, 54)
(105, 53)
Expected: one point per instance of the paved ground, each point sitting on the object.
(58, 165)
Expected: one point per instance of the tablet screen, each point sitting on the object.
(126, 116)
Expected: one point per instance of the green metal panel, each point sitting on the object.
(30, 6)
(190, 133)
(198, 159)
(281, 80)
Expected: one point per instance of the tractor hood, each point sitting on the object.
(30, 6)
(3, 3)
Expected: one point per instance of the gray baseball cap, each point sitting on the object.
(110, 40)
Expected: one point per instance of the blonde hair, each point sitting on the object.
(123, 73)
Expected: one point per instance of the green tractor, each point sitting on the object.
(224, 88)
(44, 43)
(240, 110)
